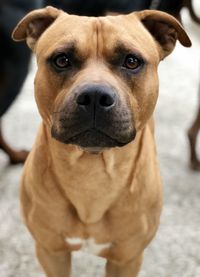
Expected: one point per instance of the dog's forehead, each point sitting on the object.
(92, 34)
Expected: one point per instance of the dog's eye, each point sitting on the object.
(61, 61)
(132, 62)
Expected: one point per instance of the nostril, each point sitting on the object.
(106, 100)
(95, 97)
(83, 99)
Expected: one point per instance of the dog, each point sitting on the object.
(175, 7)
(99, 7)
(195, 16)
(192, 133)
(18, 55)
(91, 181)
(14, 65)
(102, 7)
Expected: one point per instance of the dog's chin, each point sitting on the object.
(93, 140)
(93, 150)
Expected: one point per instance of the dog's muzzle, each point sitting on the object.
(93, 116)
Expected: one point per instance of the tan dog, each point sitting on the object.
(96, 89)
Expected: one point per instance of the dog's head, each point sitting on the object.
(97, 83)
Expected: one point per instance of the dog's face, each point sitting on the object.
(100, 80)
(96, 83)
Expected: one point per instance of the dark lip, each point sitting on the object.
(108, 142)
(98, 132)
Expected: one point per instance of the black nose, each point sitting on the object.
(96, 97)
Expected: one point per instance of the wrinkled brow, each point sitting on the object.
(70, 49)
(67, 48)
(121, 50)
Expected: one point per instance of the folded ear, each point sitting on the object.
(165, 29)
(34, 24)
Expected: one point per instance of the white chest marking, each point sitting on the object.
(88, 245)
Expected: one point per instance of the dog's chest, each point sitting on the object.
(86, 245)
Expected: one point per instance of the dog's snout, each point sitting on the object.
(94, 115)
(96, 97)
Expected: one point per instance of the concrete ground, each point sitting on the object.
(175, 252)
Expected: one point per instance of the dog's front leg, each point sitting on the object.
(130, 269)
(54, 265)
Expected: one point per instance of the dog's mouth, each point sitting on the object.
(93, 140)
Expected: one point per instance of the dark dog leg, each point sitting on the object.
(192, 135)
(14, 156)
(189, 5)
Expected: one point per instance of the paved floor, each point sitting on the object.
(175, 252)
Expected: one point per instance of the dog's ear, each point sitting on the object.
(34, 24)
(165, 29)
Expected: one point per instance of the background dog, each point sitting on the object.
(14, 64)
(192, 136)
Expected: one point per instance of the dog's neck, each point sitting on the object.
(94, 193)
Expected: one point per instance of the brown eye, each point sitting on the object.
(132, 62)
(61, 61)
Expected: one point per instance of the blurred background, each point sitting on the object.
(175, 251)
